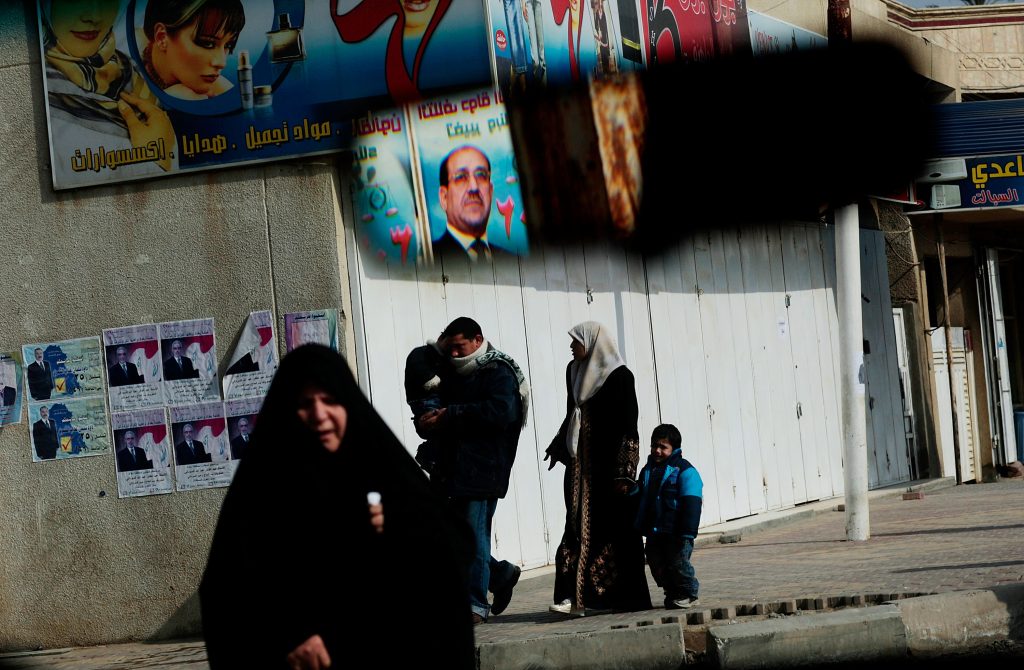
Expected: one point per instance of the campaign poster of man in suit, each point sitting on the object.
(44, 436)
(40, 377)
(190, 450)
(240, 443)
(471, 193)
(178, 365)
(131, 456)
(123, 372)
(10, 391)
(465, 194)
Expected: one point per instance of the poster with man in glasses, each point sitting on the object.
(470, 181)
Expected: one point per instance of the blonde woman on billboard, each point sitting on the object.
(189, 42)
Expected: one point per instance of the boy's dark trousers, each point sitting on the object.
(669, 560)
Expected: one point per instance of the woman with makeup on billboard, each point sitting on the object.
(189, 42)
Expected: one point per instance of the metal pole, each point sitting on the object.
(941, 244)
(851, 329)
(851, 348)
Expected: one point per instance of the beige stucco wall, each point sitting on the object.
(990, 58)
(77, 564)
(988, 42)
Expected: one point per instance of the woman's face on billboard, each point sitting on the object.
(197, 60)
(81, 25)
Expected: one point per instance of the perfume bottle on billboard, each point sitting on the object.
(245, 79)
(286, 42)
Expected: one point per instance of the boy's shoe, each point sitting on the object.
(681, 604)
(563, 607)
(477, 619)
(503, 597)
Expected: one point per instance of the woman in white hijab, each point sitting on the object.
(600, 562)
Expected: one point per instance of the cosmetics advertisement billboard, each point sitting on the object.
(145, 88)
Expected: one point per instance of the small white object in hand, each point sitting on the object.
(373, 498)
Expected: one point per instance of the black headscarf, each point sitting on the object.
(294, 554)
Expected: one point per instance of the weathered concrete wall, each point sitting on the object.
(78, 565)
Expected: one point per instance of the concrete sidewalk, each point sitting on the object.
(791, 577)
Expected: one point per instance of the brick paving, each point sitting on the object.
(956, 538)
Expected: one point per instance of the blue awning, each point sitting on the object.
(981, 128)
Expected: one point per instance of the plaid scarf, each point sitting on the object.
(487, 354)
(88, 88)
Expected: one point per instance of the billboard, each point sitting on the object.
(146, 88)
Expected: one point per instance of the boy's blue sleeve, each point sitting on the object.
(692, 485)
(691, 492)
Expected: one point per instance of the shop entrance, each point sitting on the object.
(1001, 305)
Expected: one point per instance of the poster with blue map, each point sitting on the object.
(69, 428)
(67, 369)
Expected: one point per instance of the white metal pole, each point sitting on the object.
(851, 348)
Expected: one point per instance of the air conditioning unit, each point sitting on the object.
(945, 169)
(945, 196)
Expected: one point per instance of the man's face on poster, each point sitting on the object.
(39, 356)
(186, 432)
(129, 440)
(176, 348)
(466, 199)
(44, 414)
(122, 355)
(243, 426)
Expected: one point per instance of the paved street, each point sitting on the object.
(955, 538)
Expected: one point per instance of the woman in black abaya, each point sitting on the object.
(600, 561)
(302, 571)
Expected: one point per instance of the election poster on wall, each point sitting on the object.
(253, 360)
(142, 453)
(147, 88)
(71, 368)
(202, 451)
(10, 390)
(469, 175)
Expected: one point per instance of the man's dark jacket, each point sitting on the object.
(481, 434)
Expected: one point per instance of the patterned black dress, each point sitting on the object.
(600, 561)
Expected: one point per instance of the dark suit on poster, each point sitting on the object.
(10, 394)
(197, 454)
(238, 447)
(174, 371)
(118, 376)
(44, 436)
(243, 364)
(40, 381)
(127, 463)
(448, 247)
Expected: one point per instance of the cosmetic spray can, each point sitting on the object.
(245, 79)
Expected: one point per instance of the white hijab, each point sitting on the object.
(589, 374)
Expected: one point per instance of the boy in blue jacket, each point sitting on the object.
(670, 490)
